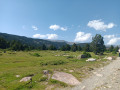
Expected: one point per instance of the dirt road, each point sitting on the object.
(106, 78)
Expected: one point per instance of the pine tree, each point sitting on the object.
(79, 48)
(67, 47)
(97, 44)
(74, 47)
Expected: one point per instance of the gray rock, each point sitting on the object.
(81, 56)
(25, 79)
(65, 77)
(91, 59)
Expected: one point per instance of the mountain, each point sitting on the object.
(31, 41)
(37, 42)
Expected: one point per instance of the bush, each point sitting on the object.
(70, 57)
(36, 54)
(43, 79)
(59, 62)
(114, 52)
(44, 63)
(87, 54)
(53, 81)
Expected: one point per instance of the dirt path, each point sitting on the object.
(106, 78)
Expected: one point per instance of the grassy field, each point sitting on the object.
(34, 62)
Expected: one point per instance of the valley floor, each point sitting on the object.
(16, 65)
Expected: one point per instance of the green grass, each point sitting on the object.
(34, 62)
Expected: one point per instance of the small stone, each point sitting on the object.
(83, 88)
(71, 71)
(109, 86)
(17, 76)
(99, 75)
(91, 59)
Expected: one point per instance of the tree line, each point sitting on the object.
(97, 46)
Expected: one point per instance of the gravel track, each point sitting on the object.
(106, 78)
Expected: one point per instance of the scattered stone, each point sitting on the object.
(25, 79)
(71, 71)
(45, 72)
(17, 76)
(99, 75)
(65, 77)
(83, 88)
(66, 55)
(109, 58)
(49, 76)
(57, 55)
(91, 59)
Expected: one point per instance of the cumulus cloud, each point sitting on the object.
(63, 29)
(109, 36)
(34, 27)
(81, 36)
(46, 36)
(100, 25)
(111, 39)
(56, 27)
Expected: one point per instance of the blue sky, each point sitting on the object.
(70, 20)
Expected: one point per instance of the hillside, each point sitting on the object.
(37, 42)
(31, 41)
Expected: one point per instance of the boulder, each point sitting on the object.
(65, 77)
(109, 58)
(25, 79)
(81, 56)
(91, 59)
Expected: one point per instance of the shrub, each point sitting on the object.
(36, 54)
(114, 52)
(53, 81)
(58, 62)
(87, 54)
(70, 57)
(43, 79)
(44, 63)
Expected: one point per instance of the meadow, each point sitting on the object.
(32, 63)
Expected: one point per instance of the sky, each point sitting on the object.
(69, 20)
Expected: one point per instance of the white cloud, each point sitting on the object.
(63, 29)
(52, 36)
(39, 36)
(100, 25)
(111, 39)
(46, 36)
(56, 27)
(81, 37)
(109, 36)
(34, 27)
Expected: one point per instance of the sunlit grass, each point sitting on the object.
(27, 63)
